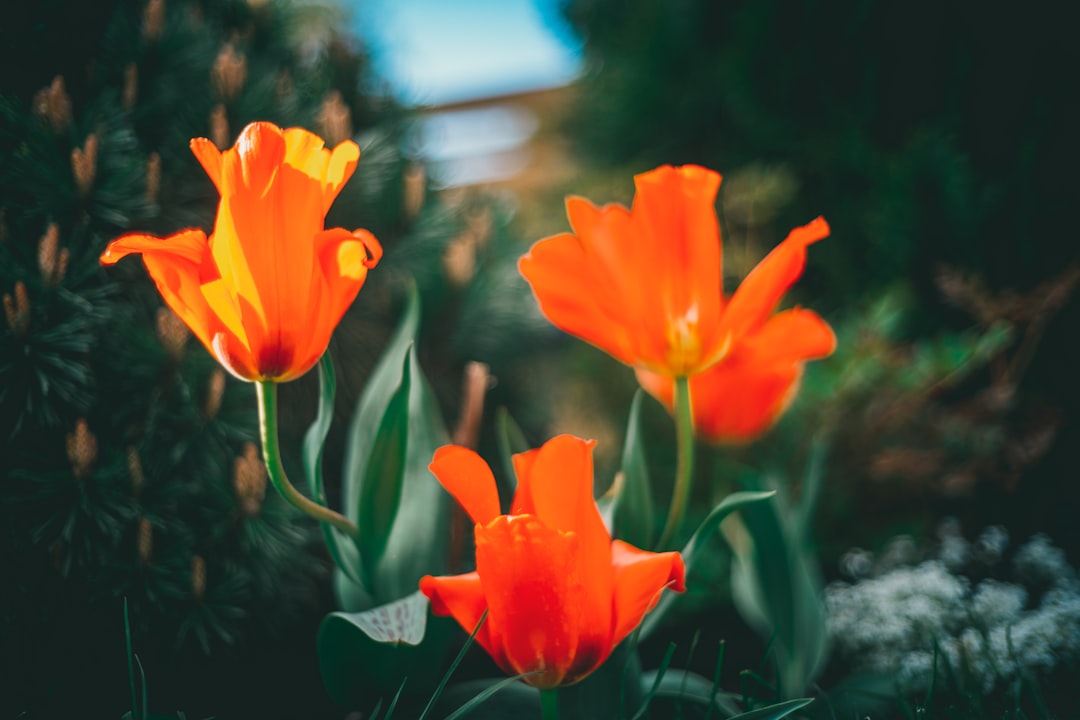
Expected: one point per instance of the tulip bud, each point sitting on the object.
(476, 383)
(334, 119)
(54, 104)
(171, 332)
(52, 259)
(198, 578)
(82, 450)
(84, 164)
(215, 389)
(153, 20)
(459, 260)
(153, 177)
(415, 186)
(135, 471)
(249, 481)
(144, 541)
(219, 126)
(130, 90)
(17, 309)
(229, 72)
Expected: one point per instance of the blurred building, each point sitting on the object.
(490, 78)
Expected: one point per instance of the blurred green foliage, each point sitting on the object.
(924, 132)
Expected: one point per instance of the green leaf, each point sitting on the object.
(775, 712)
(632, 516)
(376, 649)
(342, 549)
(511, 442)
(419, 543)
(419, 527)
(401, 623)
(380, 489)
(811, 487)
(709, 525)
(777, 588)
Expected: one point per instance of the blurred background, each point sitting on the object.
(938, 139)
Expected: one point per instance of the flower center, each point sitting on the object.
(684, 343)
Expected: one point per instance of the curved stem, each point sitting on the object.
(684, 464)
(267, 395)
(549, 704)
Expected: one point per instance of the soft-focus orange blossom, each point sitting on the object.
(645, 285)
(741, 396)
(559, 592)
(265, 291)
(642, 284)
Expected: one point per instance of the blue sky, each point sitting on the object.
(443, 51)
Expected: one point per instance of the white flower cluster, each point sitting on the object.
(898, 613)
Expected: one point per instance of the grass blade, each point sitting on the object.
(453, 667)
(716, 677)
(393, 703)
(486, 693)
(656, 683)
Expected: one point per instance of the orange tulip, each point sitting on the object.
(645, 285)
(266, 290)
(743, 394)
(559, 592)
(642, 284)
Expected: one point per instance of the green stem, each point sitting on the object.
(549, 704)
(268, 426)
(684, 467)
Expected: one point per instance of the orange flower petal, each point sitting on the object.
(640, 578)
(187, 245)
(522, 504)
(462, 596)
(208, 155)
(343, 159)
(793, 335)
(306, 151)
(468, 478)
(617, 260)
(343, 260)
(758, 294)
(734, 401)
(235, 357)
(675, 211)
(643, 284)
(267, 221)
(559, 484)
(565, 287)
(742, 396)
(223, 305)
(331, 168)
(536, 595)
(179, 265)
